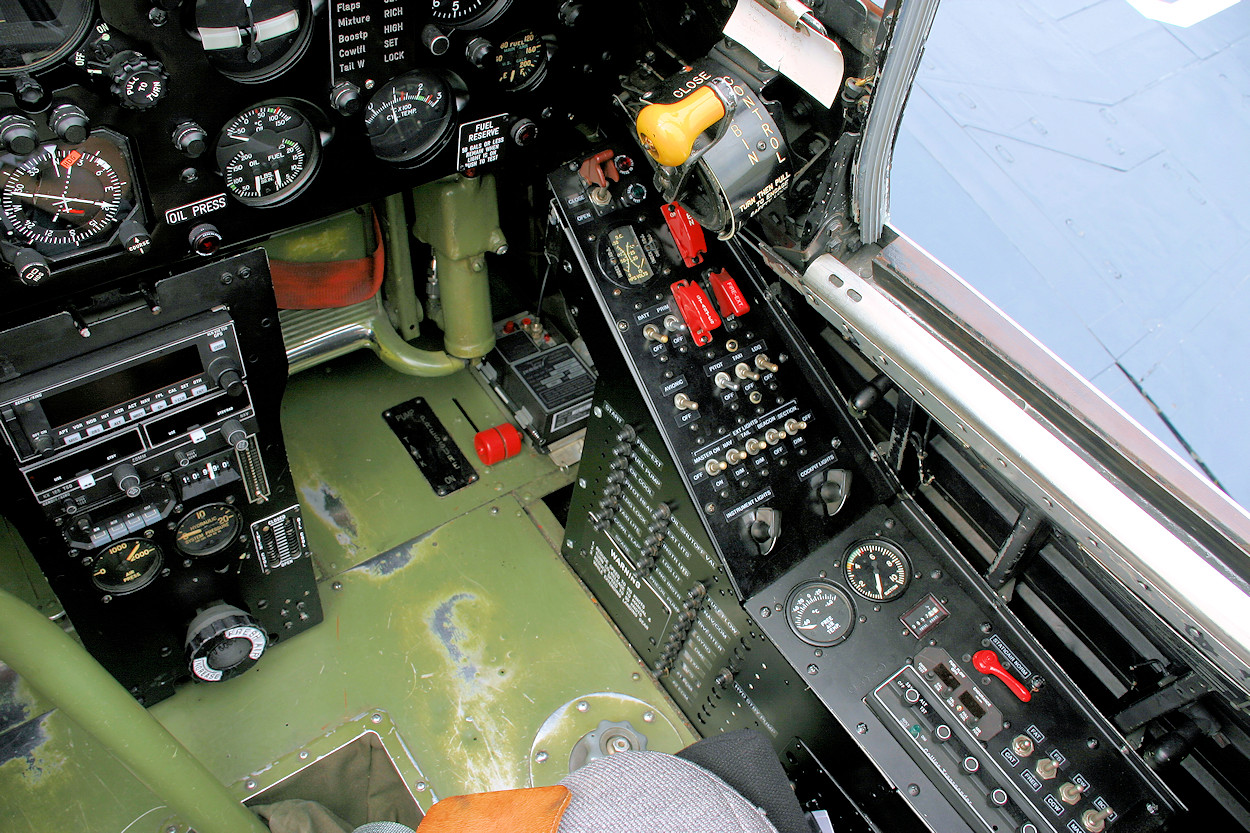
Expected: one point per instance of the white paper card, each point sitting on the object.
(808, 59)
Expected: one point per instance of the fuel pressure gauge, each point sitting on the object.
(269, 153)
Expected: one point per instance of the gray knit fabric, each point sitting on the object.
(649, 792)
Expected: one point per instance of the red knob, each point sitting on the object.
(987, 663)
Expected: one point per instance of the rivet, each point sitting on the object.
(648, 717)
(583, 706)
(540, 756)
(303, 754)
(422, 786)
(375, 718)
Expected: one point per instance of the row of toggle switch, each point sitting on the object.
(754, 446)
(679, 632)
(724, 381)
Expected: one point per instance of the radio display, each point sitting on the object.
(133, 382)
(68, 467)
(177, 424)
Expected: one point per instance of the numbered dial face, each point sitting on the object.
(877, 570)
(209, 529)
(820, 613)
(268, 154)
(410, 118)
(126, 566)
(521, 61)
(63, 197)
(467, 14)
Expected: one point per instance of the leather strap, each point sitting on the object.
(533, 810)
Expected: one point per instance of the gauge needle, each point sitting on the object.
(277, 177)
(62, 200)
(880, 589)
(812, 626)
(257, 184)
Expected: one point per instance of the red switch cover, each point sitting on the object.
(696, 310)
(686, 232)
(728, 296)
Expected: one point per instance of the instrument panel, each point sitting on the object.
(136, 137)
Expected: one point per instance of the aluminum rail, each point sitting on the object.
(60, 669)
(1177, 583)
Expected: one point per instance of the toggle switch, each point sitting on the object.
(743, 371)
(762, 362)
(725, 382)
(685, 403)
(654, 333)
(986, 662)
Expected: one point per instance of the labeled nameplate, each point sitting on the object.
(371, 41)
(430, 446)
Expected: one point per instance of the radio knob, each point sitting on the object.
(69, 122)
(345, 97)
(138, 81)
(233, 432)
(191, 139)
(127, 479)
(18, 134)
(225, 374)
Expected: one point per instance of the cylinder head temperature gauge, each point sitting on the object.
(411, 117)
(877, 570)
(269, 153)
(820, 613)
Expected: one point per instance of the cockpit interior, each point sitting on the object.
(409, 399)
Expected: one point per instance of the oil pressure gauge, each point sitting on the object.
(269, 153)
(877, 570)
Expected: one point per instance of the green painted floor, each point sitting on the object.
(453, 630)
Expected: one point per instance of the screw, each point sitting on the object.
(250, 784)
(648, 717)
(244, 273)
(157, 17)
(913, 789)
(227, 279)
(813, 669)
(540, 756)
(583, 706)
(862, 729)
(765, 612)
(375, 718)
(422, 786)
(337, 585)
(303, 754)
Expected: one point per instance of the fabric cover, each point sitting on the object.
(744, 759)
(535, 810)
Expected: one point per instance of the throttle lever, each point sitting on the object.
(987, 662)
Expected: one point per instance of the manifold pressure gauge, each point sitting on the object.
(269, 153)
(877, 570)
(820, 613)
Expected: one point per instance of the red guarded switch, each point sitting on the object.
(987, 663)
(687, 233)
(728, 296)
(696, 310)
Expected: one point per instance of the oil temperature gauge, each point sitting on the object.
(268, 154)
(411, 117)
(820, 613)
(877, 570)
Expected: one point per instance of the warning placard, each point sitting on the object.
(481, 141)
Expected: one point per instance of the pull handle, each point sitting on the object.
(987, 663)
(668, 131)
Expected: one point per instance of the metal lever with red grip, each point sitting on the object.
(987, 663)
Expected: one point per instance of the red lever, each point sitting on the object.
(687, 233)
(987, 663)
(728, 295)
(696, 310)
(598, 169)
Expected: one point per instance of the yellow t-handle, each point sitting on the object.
(668, 131)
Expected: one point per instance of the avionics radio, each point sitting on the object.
(156, 419)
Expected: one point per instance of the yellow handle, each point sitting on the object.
(668, 131)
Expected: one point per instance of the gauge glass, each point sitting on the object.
(521, 61)
(877, 570)
(410, 118)
(268, 154)
(64, 198)
(209, 529)
(467, 14)
(33, 35)
(253, 40)
(820, 613)
(126, 566)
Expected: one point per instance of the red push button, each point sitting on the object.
(728, 296)
(496, 444)
(687, 233)
(696, 310)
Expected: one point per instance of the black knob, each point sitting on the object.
(524, 132)
(135, 237)
(233, 432)
(435, 40)
(69, 122)
(190, 139)
(205, 239)
(761, 531)
(345, 97)
(18, 134)
(223, 642)
(138, 82)
(225, 374)
(29, 91)
(127, 479)
(477, 51)
(32, 269)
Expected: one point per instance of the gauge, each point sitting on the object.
(208, 529)
(467, 14)
(64, 198)
(268, 154)
(37, 35)
(877, 570)
(253, 40)
(126, 566)
(820, 613)
(521, 61)
(410, 118)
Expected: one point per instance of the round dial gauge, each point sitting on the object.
(63, 196)
(521, 61)
(410, 118)
(268, 154)
(253, 40)
(820, 613)
(126, 566)
(877, 570)
(467, 14)
(208, 530)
